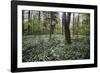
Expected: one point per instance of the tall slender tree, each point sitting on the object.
(73, 22)
(62, 29)
(29, 22)
(51, 25)
(39, 22)
(66, 23)
(78, 22)
(23, 22)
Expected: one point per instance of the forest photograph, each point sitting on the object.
(55, 36)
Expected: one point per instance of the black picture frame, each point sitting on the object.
(14, 40)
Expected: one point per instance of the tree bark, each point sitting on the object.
(39, 23)
(66, 23)
(23, 22)
(62, 29)
(29, 22)
(78, 27)
(73, 22)
(51, 25)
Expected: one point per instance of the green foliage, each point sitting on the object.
(43, 39)
(85, 29)
(43, 49)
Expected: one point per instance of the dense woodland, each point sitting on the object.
(51, 36)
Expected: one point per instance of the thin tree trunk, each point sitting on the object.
(39, 22)
(62, 29)
(78, 27)
(73, 23)
(33, 23)
(23, 22)
(29, 22)
(51, 25)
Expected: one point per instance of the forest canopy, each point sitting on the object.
(52, 35)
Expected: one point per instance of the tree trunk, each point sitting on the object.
(73, 22)
(29, 22)
(62, 29)
(39, 24)
(23, 22)
(66, 23)
(51, 25)
(78, 27)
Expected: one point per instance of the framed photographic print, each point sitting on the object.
(51, 36)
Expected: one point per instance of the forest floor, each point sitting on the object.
(41, 48)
